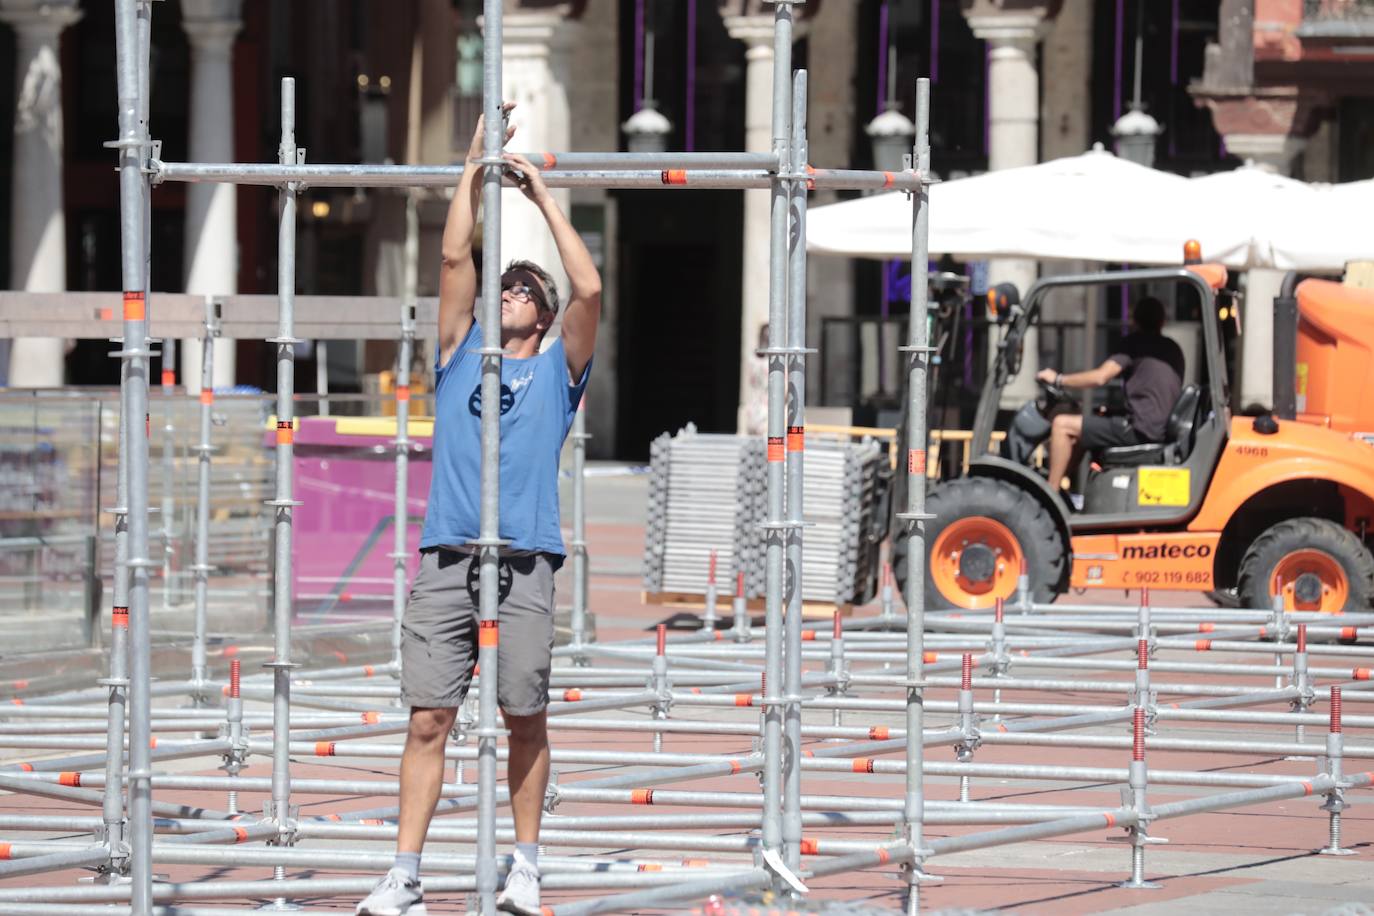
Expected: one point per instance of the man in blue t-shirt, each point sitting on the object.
(540, 393)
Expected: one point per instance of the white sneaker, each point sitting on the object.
(396, 895)
(521, 893)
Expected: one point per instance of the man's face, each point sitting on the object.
(524, 308)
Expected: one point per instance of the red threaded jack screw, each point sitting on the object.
(838, 632)
(1302, 637)
(1142, 654)
(234, 666)
(997, 611)
(1138, 747)
(966, 672)
(1145, 596)
(1335, 710)
(711, 569)
(662, 638)
(739, 584)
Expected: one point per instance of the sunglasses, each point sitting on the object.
(522, 291)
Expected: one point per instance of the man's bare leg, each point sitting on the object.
(422, 774)
(527, 772)
(1065, 432)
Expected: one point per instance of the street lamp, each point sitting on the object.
(1135, 131)
(647, 129)
(892, 134)
(1135, 134)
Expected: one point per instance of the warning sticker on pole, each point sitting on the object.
(775, 448)
(1163, 486)
(796, 438)
(916, 461)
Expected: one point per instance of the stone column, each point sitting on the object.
(1014, 140)
(536, 73)
(595, 124)
(1065, 116)
(1273, 153)
(757, 34)
(834, 57)
(212, 251)
(1269, 127)
(1266, 122)
(38, 255)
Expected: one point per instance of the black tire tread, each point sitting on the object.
(1041, 543)
(1295, 533)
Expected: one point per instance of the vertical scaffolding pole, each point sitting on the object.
(322, 376)
(200, 672)
(131, 31)
(776, 526)
(285, 342)
(169, 380)
(118, 680)
(399, 554)
(918, 352)
(796, 444)
(578, 621)
(489, 532)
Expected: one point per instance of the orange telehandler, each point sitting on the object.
(1281, 502)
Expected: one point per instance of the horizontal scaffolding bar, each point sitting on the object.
(98, 316)
(446, 176)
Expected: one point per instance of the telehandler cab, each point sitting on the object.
(1251, 505)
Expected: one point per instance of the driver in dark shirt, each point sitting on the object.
(1151, 367)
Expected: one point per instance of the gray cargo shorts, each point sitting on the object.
(439, 631)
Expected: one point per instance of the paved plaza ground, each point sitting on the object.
(1257, 860)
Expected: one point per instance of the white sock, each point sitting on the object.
(408, 862)
(528, 852)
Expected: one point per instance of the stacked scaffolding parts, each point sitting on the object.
(707, 496)
(736, 685)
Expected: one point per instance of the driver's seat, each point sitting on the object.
(1178, 441)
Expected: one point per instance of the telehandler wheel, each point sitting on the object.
(982, 530)
(1319, 565)
(1223, 597)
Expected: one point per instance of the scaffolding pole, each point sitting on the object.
(915, 516)
(279, 810)
(489, 540)
(131, 31)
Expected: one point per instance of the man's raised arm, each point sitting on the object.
(457, 272)
(583, 313)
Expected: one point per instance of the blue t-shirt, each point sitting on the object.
(538, 403)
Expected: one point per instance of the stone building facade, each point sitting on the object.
(1286, 82)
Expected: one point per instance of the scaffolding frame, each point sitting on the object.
(712, 668)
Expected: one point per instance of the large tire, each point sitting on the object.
(1323, 567)
(1005, 524)
(1223, 598)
